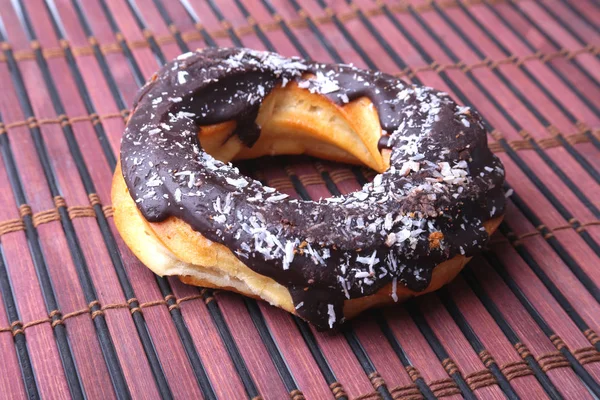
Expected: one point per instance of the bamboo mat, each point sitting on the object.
(80, 317)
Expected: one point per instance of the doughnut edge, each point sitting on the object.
(150, 248)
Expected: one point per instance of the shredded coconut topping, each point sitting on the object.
(378, 234)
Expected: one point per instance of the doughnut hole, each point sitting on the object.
(294, 121)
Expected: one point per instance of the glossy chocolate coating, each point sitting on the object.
(443, 178)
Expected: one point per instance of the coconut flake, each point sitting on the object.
(344, 285)
(288, 256)
(388, 221)
(238, 183)
(182, 77)
(278, 197)
(331, 313)
(361, 195)
(390, 240)
(409, 166)
(154, 181)
(185, 55)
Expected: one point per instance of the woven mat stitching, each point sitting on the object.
(52, 214)
(408, 71)
(517, 144)
(483, 378)
(441, 388)
(62, 120)
(248, 29)
(46, 216)
(444, 387)
(88, 310)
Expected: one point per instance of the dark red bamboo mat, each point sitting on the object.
(80, 317)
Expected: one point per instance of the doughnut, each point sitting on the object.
(186, 211)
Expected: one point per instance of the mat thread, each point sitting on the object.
(479, 379)
(338, 390)
(587, 355)
(552, 360)
(516, 369)
(450, 366)
(591, 335)
(444, 387)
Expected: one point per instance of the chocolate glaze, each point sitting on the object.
(442, 179)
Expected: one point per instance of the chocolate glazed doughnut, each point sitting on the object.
(436, 200)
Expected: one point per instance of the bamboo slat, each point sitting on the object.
(80, 317)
